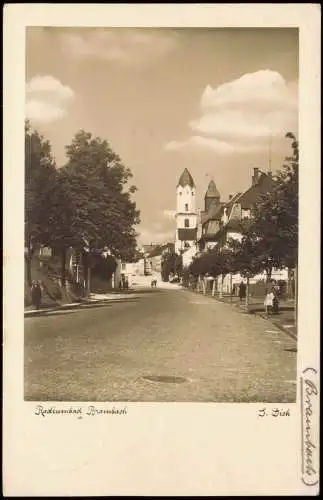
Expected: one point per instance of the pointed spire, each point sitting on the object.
(212, 191)
(186, 179)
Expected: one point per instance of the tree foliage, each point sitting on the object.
(101, 210)
(172, 263)
(40, 186)
(271, 240)
(85, 204)
(214, 262)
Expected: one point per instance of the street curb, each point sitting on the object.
(285, 330)
(43, 312)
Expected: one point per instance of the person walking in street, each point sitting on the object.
(36, 294)
(242, 291)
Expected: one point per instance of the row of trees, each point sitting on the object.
(172, 264)
(271, 238)
(86, 204)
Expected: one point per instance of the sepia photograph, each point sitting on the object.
(161, 250)
(161, 214)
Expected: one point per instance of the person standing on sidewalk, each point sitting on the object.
(242, 291)
(36, 294)
(268, 302)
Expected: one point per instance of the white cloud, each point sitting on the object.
(51, 85)
(41, 111)
(262, 87)
(213, 144)
(239, 116)
(120, 45)
(46, 99)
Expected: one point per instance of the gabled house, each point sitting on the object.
(232, 218)
(238, 212)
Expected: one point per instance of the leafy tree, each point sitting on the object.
(178, 265)
(271, 240)
(96, 208)
(40, 186)
(167, 265)
(214, 262)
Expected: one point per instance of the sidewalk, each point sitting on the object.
(94, 298)
(285, 320)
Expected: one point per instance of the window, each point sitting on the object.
(187, 223)
(186, 207)
(245, 214)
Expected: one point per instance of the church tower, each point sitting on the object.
(186, 214)
(212, 196)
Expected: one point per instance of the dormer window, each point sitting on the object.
(186, 207)
(245, 213)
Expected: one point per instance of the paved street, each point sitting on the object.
(102, 352)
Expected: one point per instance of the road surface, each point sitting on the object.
(208, 351)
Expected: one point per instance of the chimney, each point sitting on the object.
(255, 176)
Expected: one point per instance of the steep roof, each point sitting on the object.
(212, 191)
(215, 212)
(186, 179)
(253, 194)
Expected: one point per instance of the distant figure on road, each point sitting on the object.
(36, 294)
(242, 291)
(153, 283)
(126, 283)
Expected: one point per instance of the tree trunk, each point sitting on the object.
(204, 286)
(221, 286)
(28, 269)
(268, 274)
(88, 280)
(63, 267)
(29, 256)
(213, 288)
(230, 287)
(296, 295)
(247, 294)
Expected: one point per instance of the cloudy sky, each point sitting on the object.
(211, 100)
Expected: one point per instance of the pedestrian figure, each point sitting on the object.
(242, 291)
(36, 294)
(268, 303)
(126, 283)
(275, 300)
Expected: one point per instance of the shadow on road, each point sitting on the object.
(61, 311)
